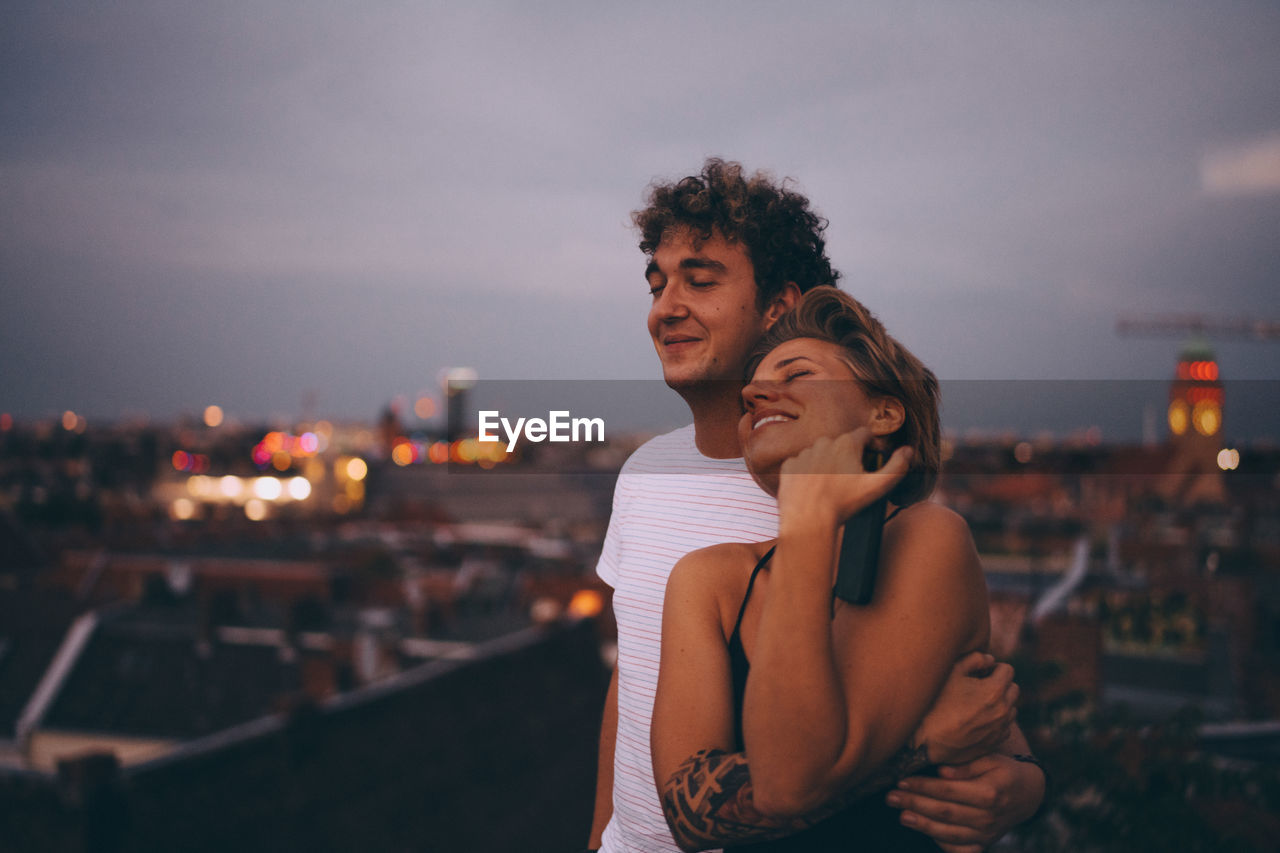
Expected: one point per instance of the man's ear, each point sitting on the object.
(783, 302)
(888, 417)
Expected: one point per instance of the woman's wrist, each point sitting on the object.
(805, 555)
(806, 521)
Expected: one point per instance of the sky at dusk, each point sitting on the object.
(279, 206)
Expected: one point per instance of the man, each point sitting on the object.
(729, 254)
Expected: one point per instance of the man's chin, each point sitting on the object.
(683, 377)
(700, 383)
(682, 382)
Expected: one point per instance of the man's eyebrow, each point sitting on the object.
(687, 264)
(702, 264)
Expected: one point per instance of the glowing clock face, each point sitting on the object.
(1206, 417)
(1178, 417)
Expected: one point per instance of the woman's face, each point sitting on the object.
(802, 390)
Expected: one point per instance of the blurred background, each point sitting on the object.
(260, 264)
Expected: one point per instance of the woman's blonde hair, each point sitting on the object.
(883, 366)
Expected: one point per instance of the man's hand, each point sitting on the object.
(973, 804)
(973, 712)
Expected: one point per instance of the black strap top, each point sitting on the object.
(738, 664)
(868, 825)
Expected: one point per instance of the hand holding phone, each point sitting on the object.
(860, 546)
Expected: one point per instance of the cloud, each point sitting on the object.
(422, 184)
(1251, 168)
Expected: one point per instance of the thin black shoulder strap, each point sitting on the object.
(750, 584)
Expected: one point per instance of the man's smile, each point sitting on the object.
(679, 341)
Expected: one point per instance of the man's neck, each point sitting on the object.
(716, 412)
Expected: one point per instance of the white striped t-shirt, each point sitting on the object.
(669, 500)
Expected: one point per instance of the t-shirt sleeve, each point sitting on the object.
(611, 553)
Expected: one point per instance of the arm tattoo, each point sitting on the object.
(708, 800)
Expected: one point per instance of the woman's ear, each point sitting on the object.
(888, 416)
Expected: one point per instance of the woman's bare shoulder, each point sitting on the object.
(929, 537)
(930, 515)
(929, 544)
(714, 565)
(932, 526)
(714, 577)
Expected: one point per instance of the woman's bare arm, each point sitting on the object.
(693, 705)
(704, 785)
(827, 705)
(709, 800)
(705, 788)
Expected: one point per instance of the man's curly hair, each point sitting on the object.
(783, 237)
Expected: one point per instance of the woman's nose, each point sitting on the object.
(758, 392)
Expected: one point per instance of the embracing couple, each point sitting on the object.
(749, 705)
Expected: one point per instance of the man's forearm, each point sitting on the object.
(1029, 796)
(708, 800)
(1015, 743)
(604, 764)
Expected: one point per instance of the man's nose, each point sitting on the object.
(670, 304)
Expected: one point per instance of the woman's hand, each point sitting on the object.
(972, 714)
(827, 483)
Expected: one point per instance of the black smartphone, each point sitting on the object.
(860, 548)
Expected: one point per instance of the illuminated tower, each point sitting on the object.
(1195, 398)
(456, 384)
(1195, 426)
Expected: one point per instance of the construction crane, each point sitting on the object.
(1167, 325)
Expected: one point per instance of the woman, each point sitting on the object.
(835, 690)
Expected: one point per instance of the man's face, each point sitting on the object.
(704, 318)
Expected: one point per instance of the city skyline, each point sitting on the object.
(287, 206)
